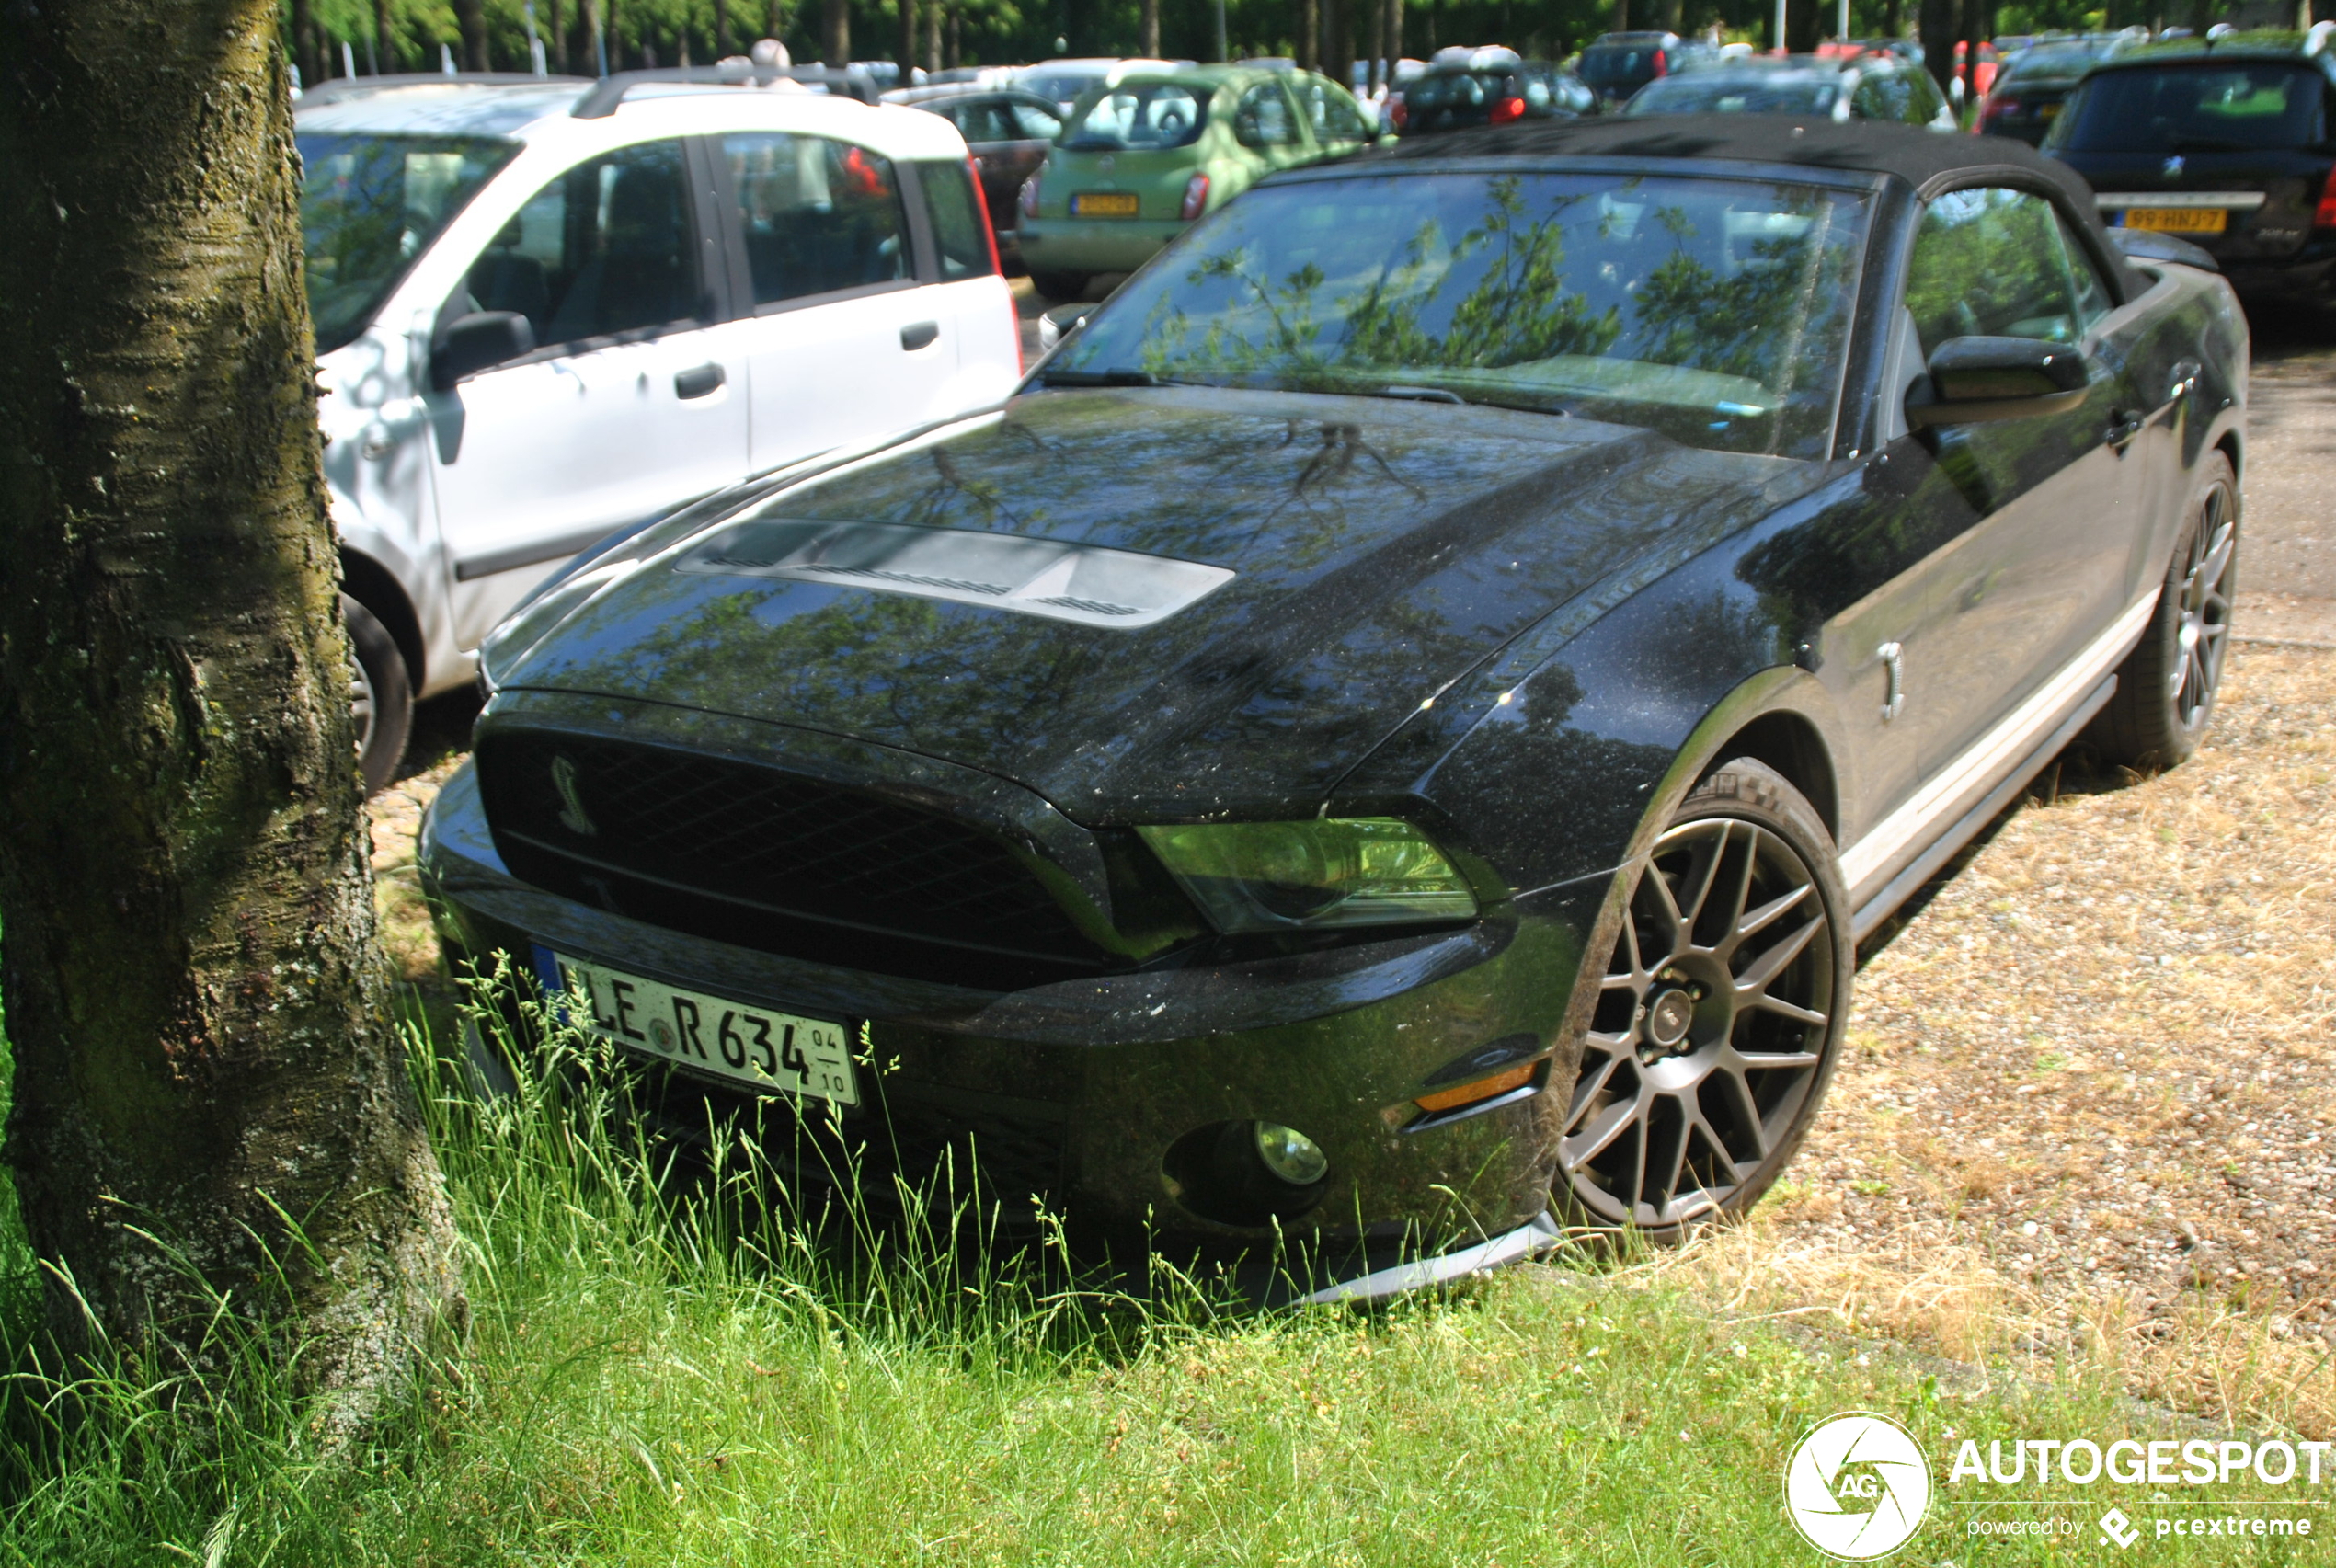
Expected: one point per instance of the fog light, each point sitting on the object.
(1290, 1155)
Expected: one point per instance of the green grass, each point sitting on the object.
(662, 1381)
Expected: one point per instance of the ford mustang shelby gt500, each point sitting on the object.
(1393, 736)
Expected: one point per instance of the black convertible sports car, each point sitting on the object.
(1392, 736)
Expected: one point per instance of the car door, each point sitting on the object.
(839, 342)
(1336, 125)
(2055, 497)
(1266, 124)
(627, 406)
(1009, 141)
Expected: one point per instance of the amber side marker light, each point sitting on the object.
(1482, 1089)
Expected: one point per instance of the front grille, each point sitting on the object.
(767, 859)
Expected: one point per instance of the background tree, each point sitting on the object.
(195, 998)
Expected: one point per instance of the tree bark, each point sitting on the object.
(1310, 30)
(385, 40)
(1149, 27)
(1622, 15)
(195, 998)
(835, 32)
(1338, 42)
(1934, 22)
(908, 55)
(721, 29)
(470, 20)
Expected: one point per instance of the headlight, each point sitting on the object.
(1341, 871)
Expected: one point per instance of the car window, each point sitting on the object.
(818, 215)
(982, 122)
(1537, 89)
(369, 205)
(1991, 263)
(1331, 112)
(1882, 97)
(958, 234)
(1715, 311)
(1032, 124)
(1148, 115)
(608, 247)
(1923, 99)
(1752, 92)
(2221, 108)
(1263, 118)
(2086, 285)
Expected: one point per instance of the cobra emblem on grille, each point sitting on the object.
(572, 815)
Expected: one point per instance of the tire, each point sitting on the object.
(381, 696)
(2166, 686)
(1063, 288)
(1712, 1044)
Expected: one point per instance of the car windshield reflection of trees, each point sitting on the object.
(1714, 311)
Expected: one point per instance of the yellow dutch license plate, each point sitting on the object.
(1104, 204)
(2179, 220)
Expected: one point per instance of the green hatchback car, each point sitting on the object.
(1145, 154)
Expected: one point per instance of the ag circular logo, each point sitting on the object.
(1858, 1486)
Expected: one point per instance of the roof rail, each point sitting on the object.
(341, 87)
(609, 91)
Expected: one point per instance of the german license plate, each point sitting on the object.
(2179, 220)
(1104, 204)
(757, 1048)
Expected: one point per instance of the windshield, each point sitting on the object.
(1148, 115)
(2194, 109)
(1061, 86)
(2059, 61)
(369, 205)
(1613, 66)
(1718, 93)
(1463, 89)
(1713, 310)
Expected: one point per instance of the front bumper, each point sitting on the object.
(1093, 245)
(1090, 1087)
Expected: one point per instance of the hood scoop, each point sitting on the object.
(1089, 584)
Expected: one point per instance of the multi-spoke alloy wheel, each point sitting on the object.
(1717, 1013)
(2166, 689)
(2203, 604)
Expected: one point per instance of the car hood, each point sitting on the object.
(1303, 574)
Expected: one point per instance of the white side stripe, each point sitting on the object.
(1971, 774)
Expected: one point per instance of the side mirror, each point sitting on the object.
(478, 341)
(1059, 323)
(1976, 379)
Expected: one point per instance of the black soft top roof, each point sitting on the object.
(1923, 159)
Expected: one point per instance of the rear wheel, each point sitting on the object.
(1061, 287)
(381, 696)
(2166, 687)
(1719, 1013)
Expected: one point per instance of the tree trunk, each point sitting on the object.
(1934, 23)
(1394, 39)
(835, 32)
(908, 55)
(384, 40)
(1149, 27)
(721, 29)
(1310, 30)
(197, 1005)
(957, 34)
(1893, 18)
(933, 34)
(1338, 42)
(1378, 43)
(556, 39)
(1622, 15)
(470, 20)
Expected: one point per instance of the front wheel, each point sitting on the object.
(1719, 1017)
(2166, 686)
(381, 696)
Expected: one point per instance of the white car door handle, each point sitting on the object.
(698, 382)
(916, 337)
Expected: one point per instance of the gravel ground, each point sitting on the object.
(2100, 1062)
